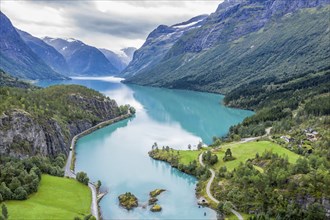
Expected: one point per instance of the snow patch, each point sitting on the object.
(71, 40)
(187, 25)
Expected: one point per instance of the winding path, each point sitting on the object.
(208, 187)
(70, 173)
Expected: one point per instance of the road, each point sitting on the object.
(208, 188)
(70, 173)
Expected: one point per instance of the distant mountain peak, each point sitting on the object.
(17, 58)
(82, 58)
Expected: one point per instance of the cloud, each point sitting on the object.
(106, 24)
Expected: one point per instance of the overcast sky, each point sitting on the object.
(104, 24)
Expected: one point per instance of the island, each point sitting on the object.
(128, 201)
(156, 208)
(156, 192)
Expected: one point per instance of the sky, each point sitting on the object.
(102, 23)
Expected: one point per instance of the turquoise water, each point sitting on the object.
(118, 154)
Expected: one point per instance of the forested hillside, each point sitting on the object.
(245, 41)
(37, 121)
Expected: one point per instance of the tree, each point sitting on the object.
(213, 159)
(20, 193)
(14, 184)
(154, 146)
(5, 191)
(189, 146)
(228, 155)
(315, 211)
(199, 145)
(98, 185)
(301, 166)
(4, 211)
(82, 177)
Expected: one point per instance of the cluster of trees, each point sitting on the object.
(210, 158)
(274, 100)
(228, 155)
(282, 191)
(83, 178)
(55, 101)
(123, 109)
(19, 178)
(4, 212)
(173, 158)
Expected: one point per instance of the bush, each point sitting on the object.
(82, 177)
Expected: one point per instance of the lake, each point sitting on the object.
(118, 154)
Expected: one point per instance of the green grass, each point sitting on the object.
(246, 151)
(233, 217)
(242, 152)
(57, 198)
(187, 156)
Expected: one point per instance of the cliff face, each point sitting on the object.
(158, 43)
(24, 134)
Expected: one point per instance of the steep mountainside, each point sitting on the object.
(17, 58)
(7, 80)
(42, 122)
(158, 43)
(46, 52)
(243, 41)
(114, 58)
(81, 58)
(128, 54)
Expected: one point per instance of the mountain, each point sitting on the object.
(17, 58)
(128, 54)
(81, 58)
(46, 52)
(158, 43)
(241, 42)
(119, 60)
(114, 58)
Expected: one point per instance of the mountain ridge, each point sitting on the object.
(222, 54)
(18, 59)
(82, 58)
(46, 52)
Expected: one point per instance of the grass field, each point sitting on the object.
(187, 156)
(245, 151)
(57, 198)
(242, 152)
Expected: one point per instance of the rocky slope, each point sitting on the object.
(243, 41)
(158, 43)
(17, 58)
(46, 52)
(81, 58)
(114, 58)
(43, 121)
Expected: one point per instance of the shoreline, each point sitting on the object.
(69, 169)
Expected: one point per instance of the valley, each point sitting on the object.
(223, 115)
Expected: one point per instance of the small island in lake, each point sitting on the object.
(156, 192)
(156, 208)
(152, 201)
(128, 201)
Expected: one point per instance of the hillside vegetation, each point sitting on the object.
(36, 121)
(286, 46)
